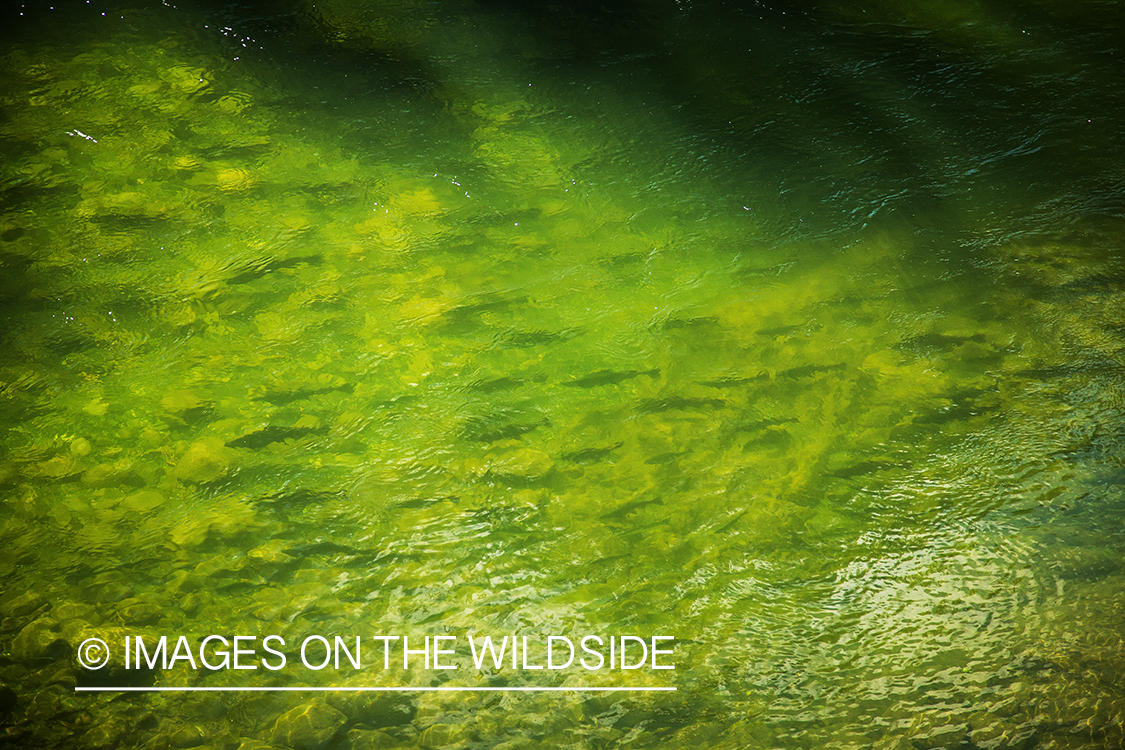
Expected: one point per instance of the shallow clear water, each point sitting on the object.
(794, 333)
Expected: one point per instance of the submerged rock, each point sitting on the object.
(525, 463)
(444, 735)
(186, 736)
(143, 501)
(370, 739)
(24, 605)
(216, 525)
(308, 727)
(181, 401)
(205, 461)
(234, 179)
(41, 639)
(377, 710)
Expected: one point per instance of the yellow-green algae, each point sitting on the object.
(259, 383)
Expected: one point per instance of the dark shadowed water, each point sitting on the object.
(793, 332)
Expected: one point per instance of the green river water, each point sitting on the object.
(792, 332)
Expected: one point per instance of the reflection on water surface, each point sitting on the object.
(793, 333)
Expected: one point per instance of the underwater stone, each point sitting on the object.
(249, 743)
(143, 501)
(234, 179)
(205, 461)
(271, 553)
(377, 710)
(185, 737)
(182, 582)
(71, 628)
(186, 163)
(370, 739)
(444, 735)
(191, 603)
(75, 611)
(58, 467)
(23, 605)
(526, 463)
(135, 612)
(104, 735)
(516, 743)
(308, 727)
(39, 640)
(185, 78)
(180, 401)
(119, 473)
(96, 407)
(191, 533)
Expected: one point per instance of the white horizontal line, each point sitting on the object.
(373, 689)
